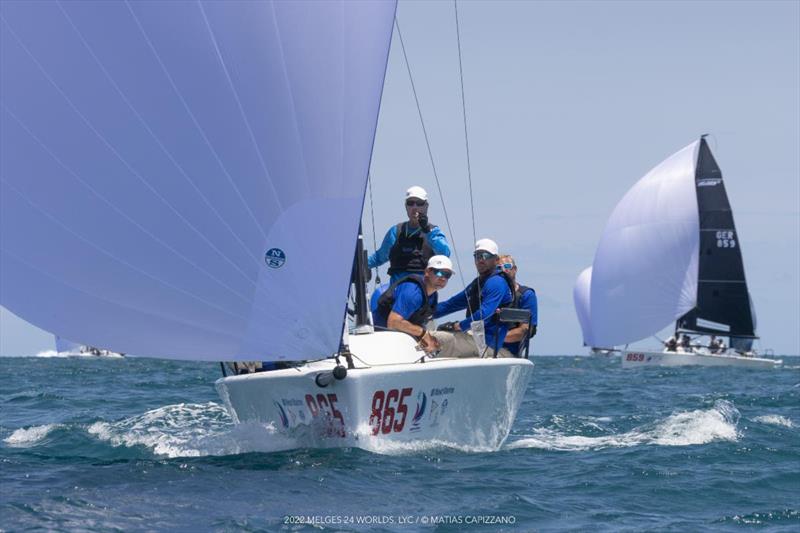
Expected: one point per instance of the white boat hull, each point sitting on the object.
(461, 402)
(638, 358)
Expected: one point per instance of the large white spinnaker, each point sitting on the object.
(581, 294)
(185, 179)
(644, 274)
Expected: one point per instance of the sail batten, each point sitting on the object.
(184, 180)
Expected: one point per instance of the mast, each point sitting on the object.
(360, 277)
(723, 302)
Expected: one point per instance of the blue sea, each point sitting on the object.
(97, 444)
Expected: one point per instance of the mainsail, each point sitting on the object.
(186, 179)
(723, 303)
(669, 252)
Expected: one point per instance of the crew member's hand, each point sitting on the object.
(429, 343)
(423, 223)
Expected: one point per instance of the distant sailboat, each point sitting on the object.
(670, 252)
(219, 152)
(66, 347)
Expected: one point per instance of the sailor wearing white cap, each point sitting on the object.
(491, 290)
(411, 301)
(409, 245)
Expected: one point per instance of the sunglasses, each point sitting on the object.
(483, 255)
(442, 273)
(417, 203)
(508, 266)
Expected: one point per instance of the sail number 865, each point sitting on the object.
(386, 408)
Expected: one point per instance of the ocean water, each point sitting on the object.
(97, 444)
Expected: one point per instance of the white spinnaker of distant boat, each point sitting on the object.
(644, 274)
(198, 169)
(581, 299)
(66, 346)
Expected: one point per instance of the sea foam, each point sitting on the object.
(775, 420)
(24, 437)
(685, 428)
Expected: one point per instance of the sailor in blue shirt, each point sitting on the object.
(409, 245)
(410, 302)
(482, 298)
(525, 298)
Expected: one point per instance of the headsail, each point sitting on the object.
(185, 180)
(581, 299)
(723, 302)
(644, 273)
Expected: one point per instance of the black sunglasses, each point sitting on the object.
(442, 273)
(417, 203)
(483, 255)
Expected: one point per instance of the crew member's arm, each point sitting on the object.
(438, 242)
(381, 255)
(397, 322)
(451, 305)
(495, 290)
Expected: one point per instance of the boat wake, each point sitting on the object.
(775, 420)
(684, 428)
(198, 430)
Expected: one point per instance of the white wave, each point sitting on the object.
(775, 420)
(686, 428)
(51, 353)
(24, 437)
(191, 430)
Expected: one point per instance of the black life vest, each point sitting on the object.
(409, 253)
(421, 315)
(518, 300)
(474, 289)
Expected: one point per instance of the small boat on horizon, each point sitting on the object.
(670, 252)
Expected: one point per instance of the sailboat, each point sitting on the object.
(670, 252)
(219, 153)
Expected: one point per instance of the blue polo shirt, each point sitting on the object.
(408, 298)
(495, 292)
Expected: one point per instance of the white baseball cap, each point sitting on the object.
(487, 245)
(440, 262)
(417, 192)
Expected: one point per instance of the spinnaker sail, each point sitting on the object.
(198, 170)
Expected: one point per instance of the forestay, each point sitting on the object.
(185, 179)
(644, 273)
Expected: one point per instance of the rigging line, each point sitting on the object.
(430, 153)
(464, 113)
(372, 213)
(466, 137)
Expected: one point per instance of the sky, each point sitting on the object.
(568, 104)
